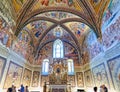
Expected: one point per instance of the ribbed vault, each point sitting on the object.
(78, 18)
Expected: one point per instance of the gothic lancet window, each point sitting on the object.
(58, 49)
(45, 67)
(70, 67)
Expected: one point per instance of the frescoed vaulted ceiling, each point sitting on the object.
(36, 24)
(57, 15)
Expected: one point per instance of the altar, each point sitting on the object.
(58, 88)
(58, 77)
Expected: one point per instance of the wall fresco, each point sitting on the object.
(80, 81)
(100, 76)
(95, 49)
(2, 66)
(93, 45)
(91, 38)
(35, 79)
(85, 54)
(27, 77)
(88, 78)
(111, 36)
(23, 46)
(45, 52)
(14, 75)
(71, 80)
(111, 12)
(43, 80)
(71, 53)
(114, 68)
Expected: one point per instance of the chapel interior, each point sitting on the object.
(60, 45)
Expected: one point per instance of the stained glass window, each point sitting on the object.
(58, 49)
(70, 67)
(45, 67)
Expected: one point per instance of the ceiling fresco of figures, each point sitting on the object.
(78, 29)
(57, 32)
(37, 28)
(35, 24)
(111, 12)
(57, 15)
(56, 3)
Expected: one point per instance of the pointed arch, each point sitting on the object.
(58, 49)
